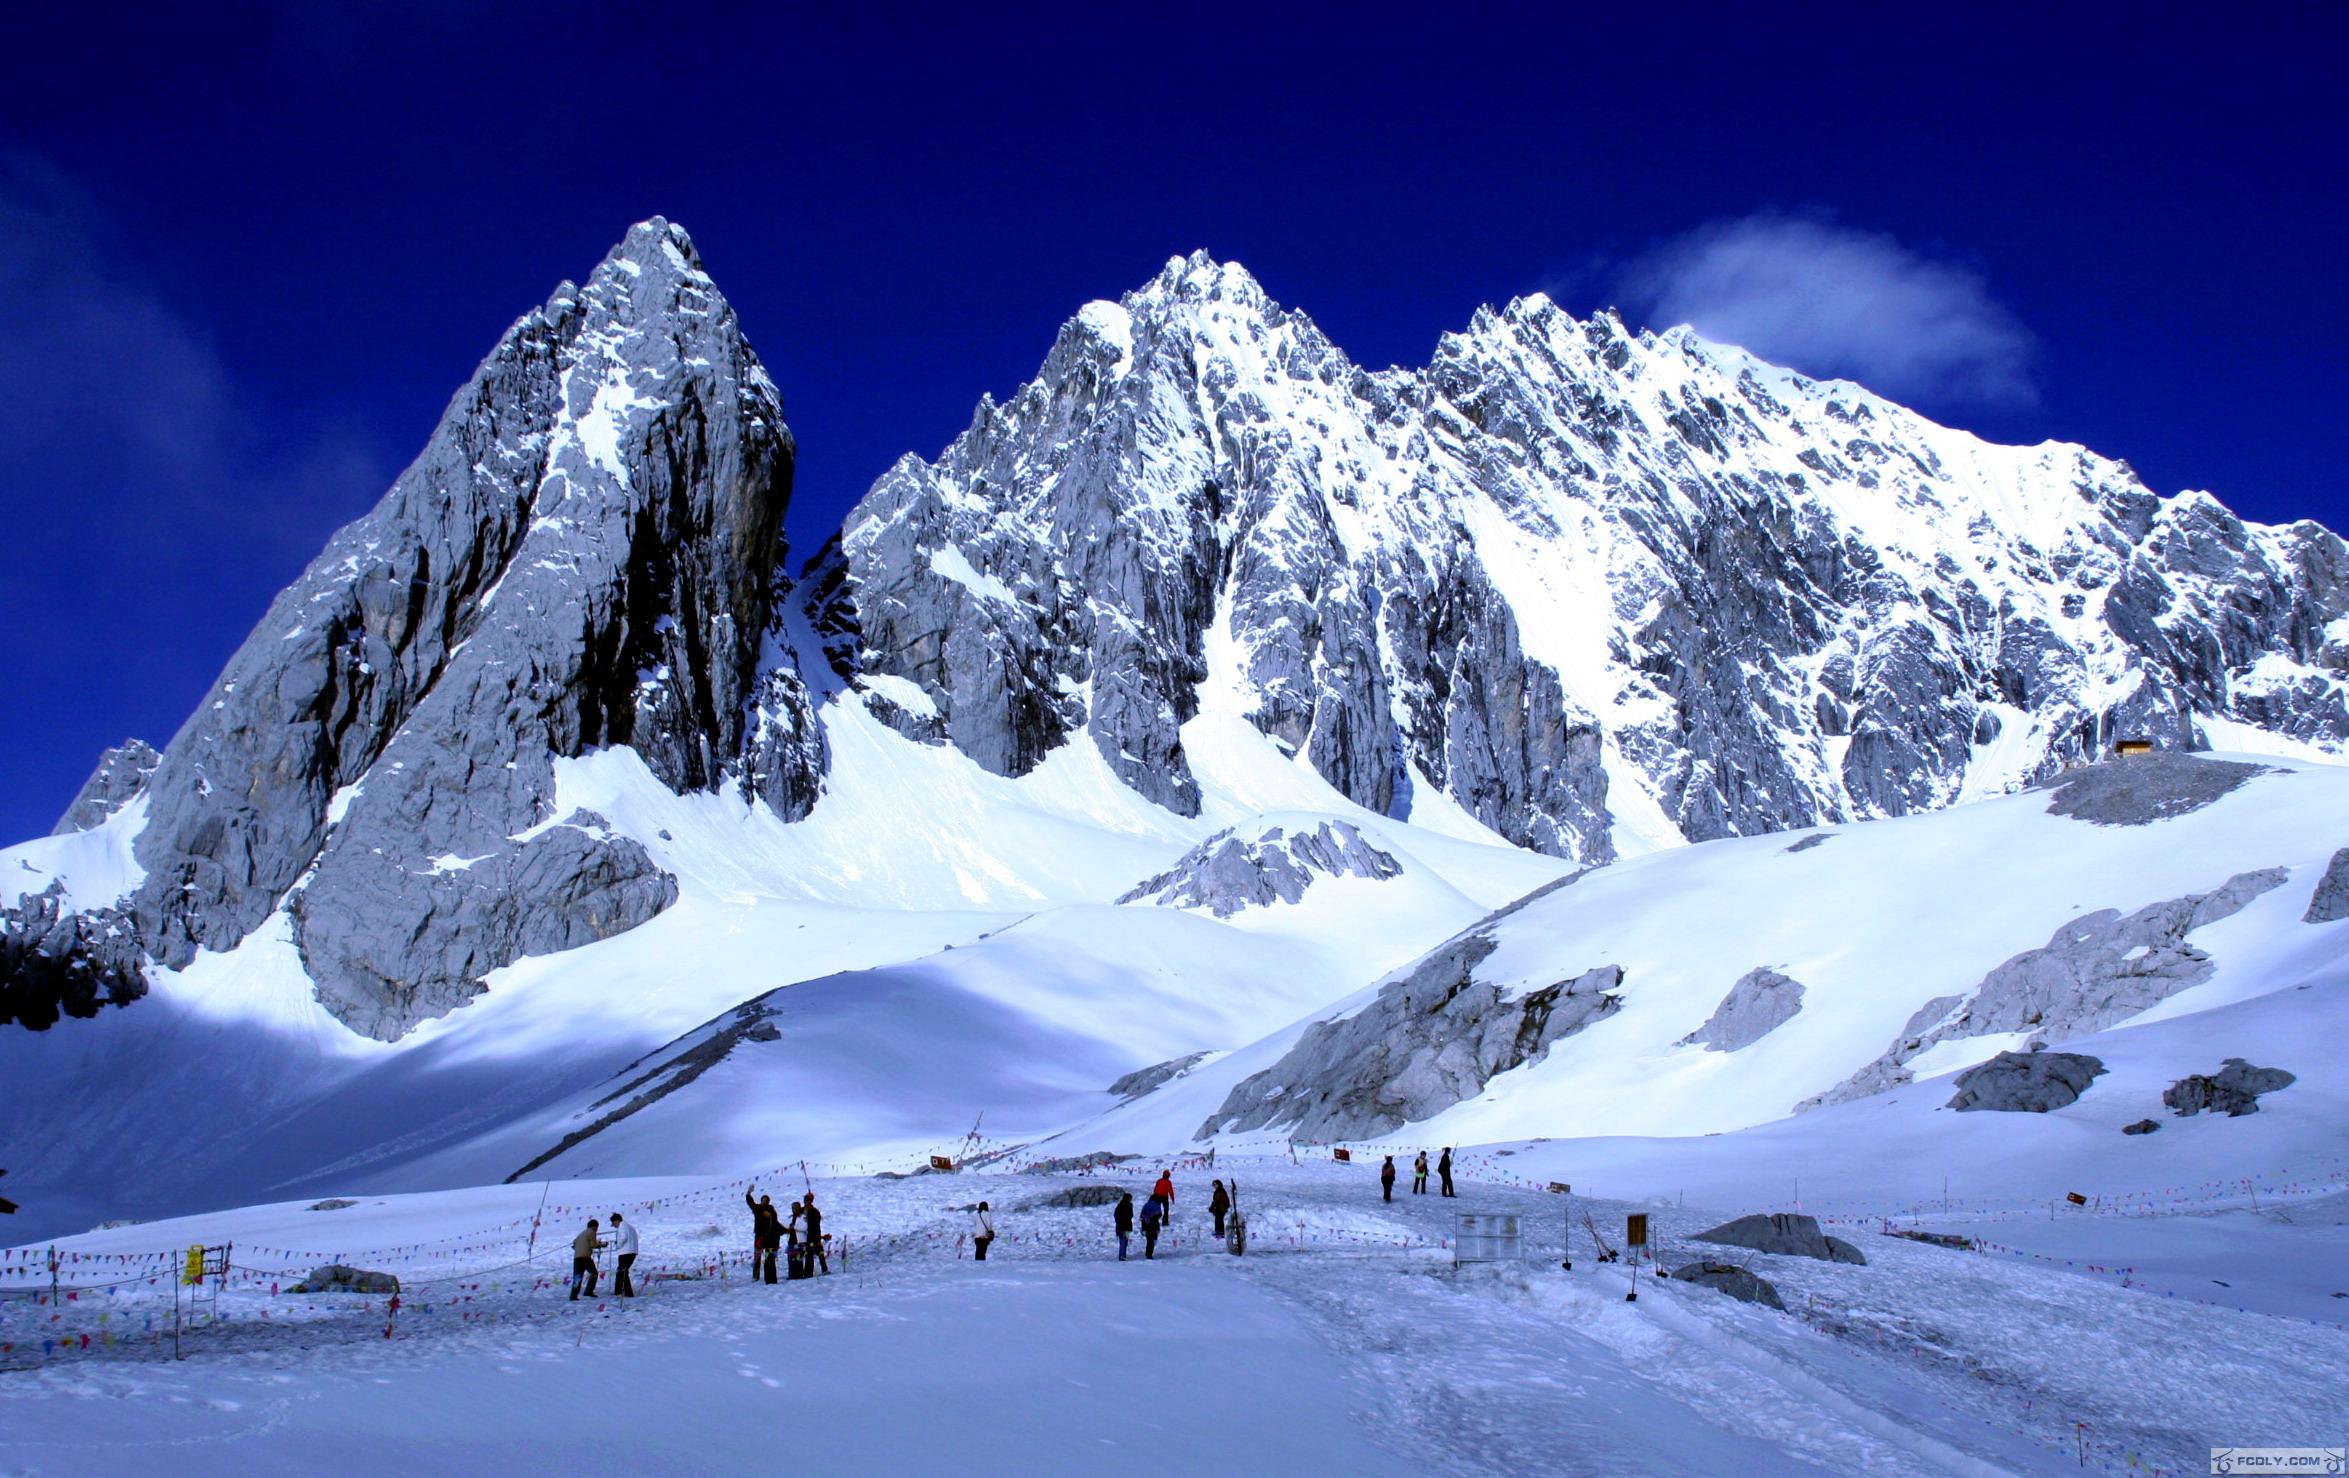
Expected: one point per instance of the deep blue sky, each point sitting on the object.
(245, 257)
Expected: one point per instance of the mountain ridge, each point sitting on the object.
(1602, 591)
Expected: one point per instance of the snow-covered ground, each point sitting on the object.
(1344, 1341)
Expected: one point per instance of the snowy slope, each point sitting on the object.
(1873, 922)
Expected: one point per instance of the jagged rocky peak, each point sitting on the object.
(1602, 587)
(121, 777)
(1266, 864)
(584, 554)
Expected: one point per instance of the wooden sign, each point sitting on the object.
(1346, 1155)
(1560, 1188)
(1635, 1229)
(940, 1162)
(2076, 1198)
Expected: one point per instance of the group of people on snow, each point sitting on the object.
(589, 1242)
(1386, 1174)
(799, 1236)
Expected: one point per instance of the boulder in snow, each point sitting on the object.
(334, 1277)
(2234, 1090)
(1786, 1234)
(1761, 1002)
(2330, 901)
(2142, 1126)
(1731, 1279)
(2026, 1082)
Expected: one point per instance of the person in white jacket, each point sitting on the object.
(624, 1246)
(982, 1232)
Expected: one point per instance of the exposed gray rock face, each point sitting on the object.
(337, 1278)
(2330, 901)
(1761, 1002)
(2097, 971)
(1077, 1197)
(2025, 1082)
(1729, 1278)
(1431, 1038)
(1785, 1234)
(2142, 1126)
(1373, 565)
(2234, 1090)
(1149, 1079)
(121, 777)
(584, 555)
(2145, 788)
(1227, 873)
(54, 962)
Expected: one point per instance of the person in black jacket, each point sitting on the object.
(812, 1227)
(1386, 1178)
(1218, 1202)
(1444, 1168)
(766, 1234)
(1123, 1217)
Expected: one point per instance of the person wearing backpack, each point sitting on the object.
(1164, 1191)
(624, 1258)
(1217, 1204)
(1386, 1178)
(1153, 1217)
(1419, 1175)
(982, 1232)
(1123, 1218)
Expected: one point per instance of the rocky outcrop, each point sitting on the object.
(1431, 1038)
(2025, 1082)
(121, 777)
(2097, 971)
(1228, 873)
(2141, 789)
(55, 962)
(2330, 901)
(2234, 1090)
(1759, 1003)
(1783, 1234)
(2142, 1126)
(1150, 1079)
(1729, 1278)
(337, 1278)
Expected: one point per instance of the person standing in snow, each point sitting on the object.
(1153, 1216)
(623, 1258)
(1419, 1175)
(982, 1232)
(1217, 1204)
(1164, 1191)
(1444, 1168)
(1123, 1219)
(766, 1234)
(813, 1220)
(583, 1250)
(1386, 1178)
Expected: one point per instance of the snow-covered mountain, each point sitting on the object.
(1204, 682)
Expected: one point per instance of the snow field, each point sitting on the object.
(1344, 1337)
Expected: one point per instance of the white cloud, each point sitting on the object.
(1832, 300)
